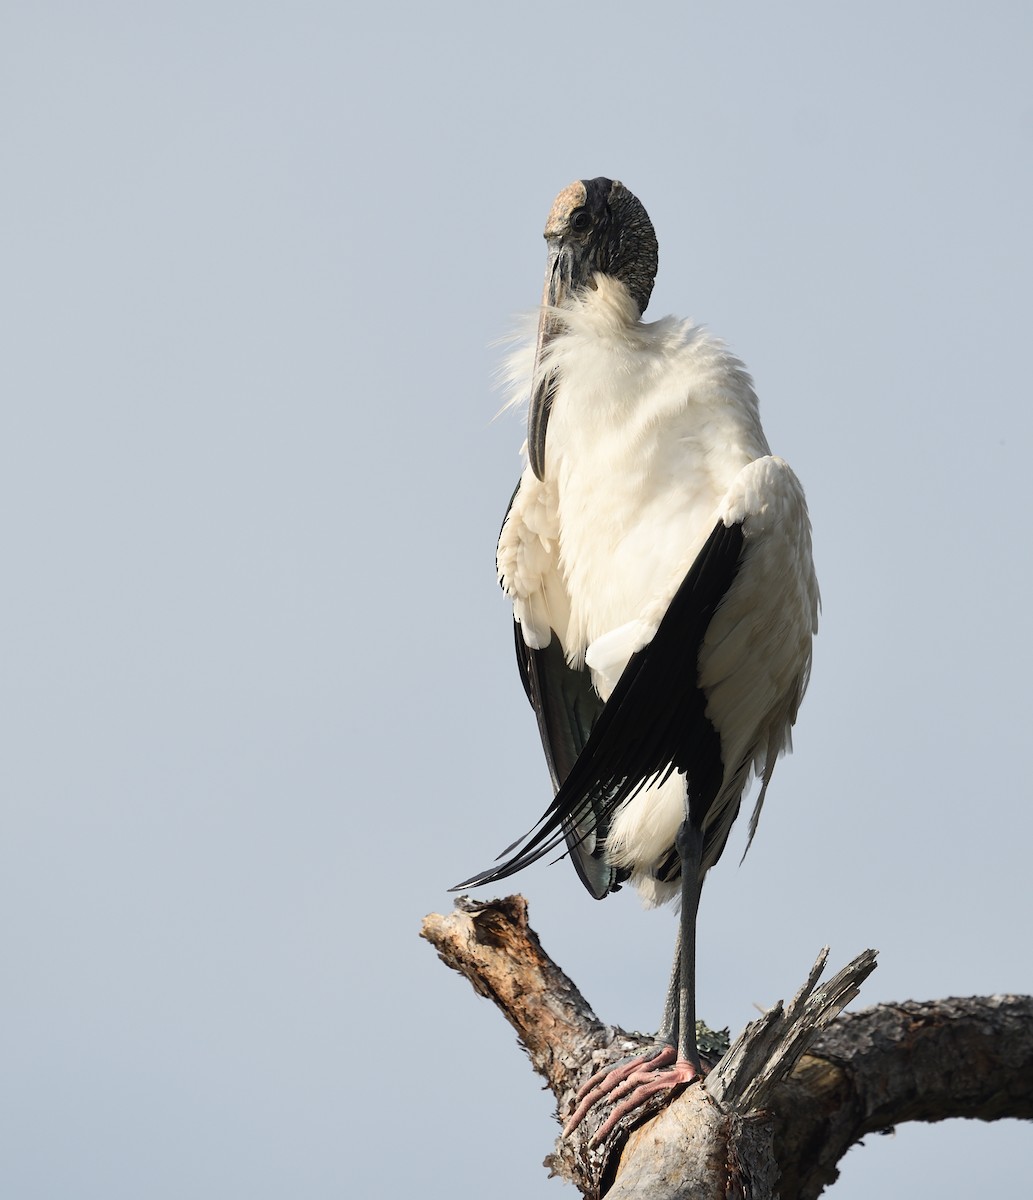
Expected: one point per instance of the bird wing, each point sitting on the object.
(567, 707)
(653, 723)
(563, 698)
(756, 657)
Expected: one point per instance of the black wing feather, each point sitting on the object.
(654, 722)
(567, 707)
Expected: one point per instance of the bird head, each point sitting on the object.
(596, 226)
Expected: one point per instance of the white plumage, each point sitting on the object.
(655, 436)
(658, 559)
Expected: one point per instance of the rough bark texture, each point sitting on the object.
(914, 1061)
(794, 1091)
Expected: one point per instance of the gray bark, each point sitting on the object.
(796, 1089)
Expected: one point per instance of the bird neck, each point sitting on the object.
(604, 308)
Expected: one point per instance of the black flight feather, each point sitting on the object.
(654, 723)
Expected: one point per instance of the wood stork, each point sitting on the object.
(658, 558)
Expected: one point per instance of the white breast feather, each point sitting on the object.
(654, 436)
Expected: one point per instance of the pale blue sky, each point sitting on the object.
(257, 675)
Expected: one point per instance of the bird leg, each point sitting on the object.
(675, 1061)
(690, 850)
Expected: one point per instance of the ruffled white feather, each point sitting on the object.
(654, 436)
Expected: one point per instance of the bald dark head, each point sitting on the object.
(603, 227)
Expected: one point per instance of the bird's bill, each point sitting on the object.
(559, 283)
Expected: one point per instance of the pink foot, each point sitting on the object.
(630, 1085)
(609, 1078)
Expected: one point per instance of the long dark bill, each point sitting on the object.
(558, 285)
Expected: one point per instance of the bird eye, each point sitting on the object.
(580, 221)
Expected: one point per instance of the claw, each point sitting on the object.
(610, 1078)
(645, 1084)
(629, 1085)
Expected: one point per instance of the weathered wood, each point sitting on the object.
(911, 1061)
(500, 954)
(796, 1089)
(768, 1049)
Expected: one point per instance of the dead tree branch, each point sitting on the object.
(795, 1091)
